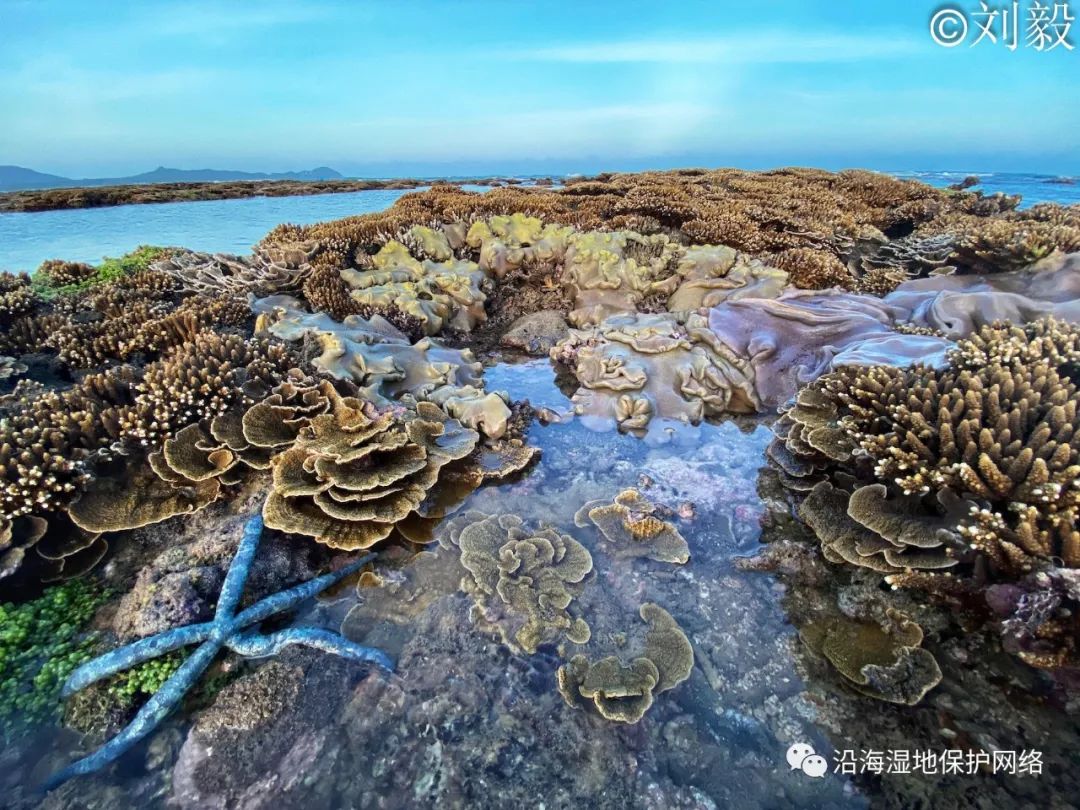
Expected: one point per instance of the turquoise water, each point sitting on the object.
(216, 226)
(1034, 188)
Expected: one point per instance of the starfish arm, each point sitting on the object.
(233, 587)
(294, 596)
(128, 656)
(156, 709)
(257, 645)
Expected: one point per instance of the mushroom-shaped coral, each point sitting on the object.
(624, 692)
(440, 295)
(633, 530)
(712, 274)
(884, 662)
(633, 368)
(523, 580)
(353, 473)
(606, 273)
(387, 368)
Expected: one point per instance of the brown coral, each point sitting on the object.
(523, 580)
(355, 472)
(624, 692)
(632, 528)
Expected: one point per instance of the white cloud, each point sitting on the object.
(775, 47)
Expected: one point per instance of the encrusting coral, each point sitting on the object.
(624, 692)
(633, 530)
(523, 580)
(884, 662)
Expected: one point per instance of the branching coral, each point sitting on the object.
(977, 462)
(523, 580)
(624, 692)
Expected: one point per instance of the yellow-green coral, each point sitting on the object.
(522, 579)
(624, 692)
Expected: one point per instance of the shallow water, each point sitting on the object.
(465, 722)
(215, 226)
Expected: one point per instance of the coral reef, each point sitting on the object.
(355, 472)
(522, 580)
(633, 368)
(633, 530)
(386, 367)
(446, 294)
(624, 692)
(975, 463)
(227, 629)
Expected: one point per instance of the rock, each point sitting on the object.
(537, 333)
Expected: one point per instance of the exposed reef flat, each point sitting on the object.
(793, 458)
(54, 199)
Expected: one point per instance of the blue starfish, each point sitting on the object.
(226, 630)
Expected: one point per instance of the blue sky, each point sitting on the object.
(398, 87)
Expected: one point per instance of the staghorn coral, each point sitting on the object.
(886, 662)
(522, 580)
(633, 530)
(59, 273)
(353, 473)
(624, 692)
(635, 367)
(17, 297)
(200, 380)
(811, 269)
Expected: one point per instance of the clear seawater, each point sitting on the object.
(233, 226)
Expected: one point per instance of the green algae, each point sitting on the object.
(110, 269)
(41, 642)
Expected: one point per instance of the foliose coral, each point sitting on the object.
(353, 473)
(523, 580)
(624, 692)
(631, 527)
(633, 368)
(884, 662)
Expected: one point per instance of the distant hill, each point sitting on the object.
(17, 178)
